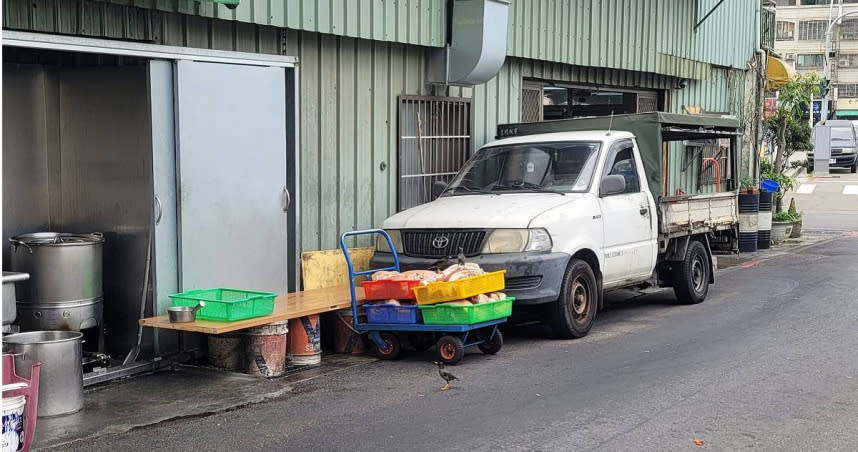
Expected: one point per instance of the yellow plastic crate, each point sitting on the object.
(440, 292)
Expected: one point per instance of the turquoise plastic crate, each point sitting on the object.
(227, 305)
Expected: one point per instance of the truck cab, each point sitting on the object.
(566, 214)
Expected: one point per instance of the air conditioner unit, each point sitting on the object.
(843, 62)
(789, 56)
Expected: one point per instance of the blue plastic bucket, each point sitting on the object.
(770, 185)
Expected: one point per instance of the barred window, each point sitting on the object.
(847, 91)
(812, 30)
(809, 60)
(785, 2)
(849, 60)
(785, 31)
(849, 30)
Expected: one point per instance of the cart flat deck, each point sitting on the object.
(422, 327)
(286, 306)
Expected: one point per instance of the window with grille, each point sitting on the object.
(785, 31)
(785, 2)
(847, 90)
(434, 143)
(849, 30)
(812, 30)
(809, 60)
(531, 103)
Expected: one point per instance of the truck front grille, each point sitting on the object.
(442, 243)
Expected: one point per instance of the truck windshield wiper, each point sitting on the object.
(462, 188)
(527, 187)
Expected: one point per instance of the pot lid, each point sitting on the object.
(57, 239)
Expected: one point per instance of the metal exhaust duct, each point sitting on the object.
(478, 43)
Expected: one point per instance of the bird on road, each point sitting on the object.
(447, 376)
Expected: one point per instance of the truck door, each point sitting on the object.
(626, 218)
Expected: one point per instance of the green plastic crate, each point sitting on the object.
(227, 305)
(446, 314)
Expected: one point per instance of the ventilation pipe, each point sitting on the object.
(477, 43)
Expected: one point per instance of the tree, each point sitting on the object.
(788, 125)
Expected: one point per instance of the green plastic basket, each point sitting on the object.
(227, 305)
(447, 314)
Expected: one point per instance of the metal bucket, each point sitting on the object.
(61, 379)
(346, 340)
(65, 290)
(304, 341)
(9, 296)
(266, 349)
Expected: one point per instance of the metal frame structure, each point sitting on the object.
(31, 40)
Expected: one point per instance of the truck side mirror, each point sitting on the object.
(437, 188)
(612, 184)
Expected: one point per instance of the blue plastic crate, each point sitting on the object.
(391, 313)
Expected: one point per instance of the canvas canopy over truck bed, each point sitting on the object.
(654, 133)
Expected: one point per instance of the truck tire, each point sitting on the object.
(691, 275)
(572, 315)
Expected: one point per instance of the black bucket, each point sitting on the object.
(764, 221)
(749, 208)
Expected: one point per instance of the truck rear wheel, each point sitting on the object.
(691, 275)
(572, 315)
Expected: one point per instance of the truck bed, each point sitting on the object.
(685, 215)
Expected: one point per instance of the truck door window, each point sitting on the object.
(623, 164)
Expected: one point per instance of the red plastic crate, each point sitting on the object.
(387, 289)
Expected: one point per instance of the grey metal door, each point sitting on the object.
(231, 130)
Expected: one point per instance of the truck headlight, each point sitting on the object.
(517, 241)
(848, 150)
(395, 237)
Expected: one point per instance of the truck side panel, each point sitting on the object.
(688, 215)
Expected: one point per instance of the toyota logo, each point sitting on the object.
(440, 242)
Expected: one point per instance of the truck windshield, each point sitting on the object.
(841, 134)
(530, 167)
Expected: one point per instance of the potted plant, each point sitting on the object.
(796, 225)
(781, 226)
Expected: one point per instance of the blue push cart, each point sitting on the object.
(450, 340)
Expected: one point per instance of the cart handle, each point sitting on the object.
(353, 274)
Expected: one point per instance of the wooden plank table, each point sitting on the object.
(286, 306)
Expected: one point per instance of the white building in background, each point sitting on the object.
(800, 41)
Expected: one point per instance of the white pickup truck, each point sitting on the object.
(572, 208)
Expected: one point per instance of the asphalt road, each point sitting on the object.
(767, 362)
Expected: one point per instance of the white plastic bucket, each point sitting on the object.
(12, 439)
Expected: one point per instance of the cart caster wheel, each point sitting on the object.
(451, 350)
(392, 350)
(421, 342)
(493, 345)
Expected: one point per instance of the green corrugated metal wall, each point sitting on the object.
(349, 91)
(421, 22)
(637, 35)
(99, 19)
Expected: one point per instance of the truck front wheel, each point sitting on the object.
(572, 315)
(691, 275)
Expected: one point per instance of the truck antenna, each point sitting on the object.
(610, 124)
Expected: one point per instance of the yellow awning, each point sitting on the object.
(778, 73)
